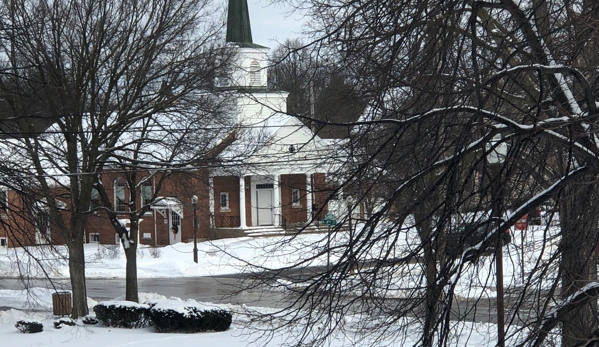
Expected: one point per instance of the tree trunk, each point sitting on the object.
(77, 273)
(433, 294)
(131, 290)
(579, 220)
(432, 298)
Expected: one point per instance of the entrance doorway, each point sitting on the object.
(264, 206)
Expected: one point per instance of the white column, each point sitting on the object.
(308, 197)
(242, 221)
(211, 200)
(276, 201)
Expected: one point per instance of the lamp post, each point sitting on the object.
(497, 153)
(194, 202)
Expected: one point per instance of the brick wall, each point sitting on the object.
(293, 214)
(226, 217)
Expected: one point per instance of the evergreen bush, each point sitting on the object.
(30, 327)
(89, 320)
(122, 314)
(59, 323)
(169, 316)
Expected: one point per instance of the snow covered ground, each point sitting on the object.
(229, 256)
(236, 336)
(220, 257)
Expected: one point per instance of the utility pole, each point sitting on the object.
(496, 157)
(194, 202)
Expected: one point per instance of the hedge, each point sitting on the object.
(188, 316)
(30, 327)
(122, 314)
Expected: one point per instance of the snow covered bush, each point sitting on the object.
(89, 320)
(108, 252)
(31, 327)
(155, 252)
(122, 314)
(188, 317)
(59, 323)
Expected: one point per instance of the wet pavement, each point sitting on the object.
(206, 289)
(228, 289)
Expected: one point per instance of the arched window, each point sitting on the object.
(119, 195)
(3, 199)
(95, 199)
(255, 79)
(146, 192)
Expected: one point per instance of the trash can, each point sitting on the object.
(61, 303)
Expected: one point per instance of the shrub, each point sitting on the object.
(122, 314)
(108, 251)
(155, 252)
(89, 320)
(31, 327)
(188, 317)
(63, 321)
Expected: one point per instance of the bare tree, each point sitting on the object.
(98, 70)
(164, 146)
(449, 85)
(319, 92)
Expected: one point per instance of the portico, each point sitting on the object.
(275, 200)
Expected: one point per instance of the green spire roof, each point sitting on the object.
(238, 22)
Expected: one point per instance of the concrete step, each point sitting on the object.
(264, 231)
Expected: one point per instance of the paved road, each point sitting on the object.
(207, 289)
(227, 290)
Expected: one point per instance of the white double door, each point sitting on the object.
(264, 206)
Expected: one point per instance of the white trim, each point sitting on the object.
(242, 216)
(3, 241)
(276, 201)
(168, 203)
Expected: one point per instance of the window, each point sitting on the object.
(3, 199)
(224, 201)
(147, 236)
(295, 198)
(146, 192)
(3, 242)
(175, 222)
(255, 79)
(95, 199)
(119, 195)
(94, 237)
(42, 226)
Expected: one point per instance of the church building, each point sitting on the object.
(279, 184)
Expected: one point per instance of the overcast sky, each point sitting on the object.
(272, 23)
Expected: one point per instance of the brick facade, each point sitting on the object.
(294, 214)
(18, 228)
